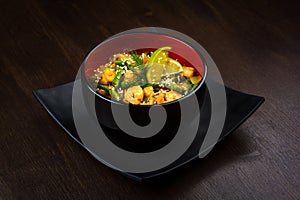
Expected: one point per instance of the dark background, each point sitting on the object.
(255, 44)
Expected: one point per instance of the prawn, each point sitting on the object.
(134, 95)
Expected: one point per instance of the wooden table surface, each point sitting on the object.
(255, 44)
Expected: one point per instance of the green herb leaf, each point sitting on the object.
(136, 57)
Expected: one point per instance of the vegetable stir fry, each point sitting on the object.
(145, 79)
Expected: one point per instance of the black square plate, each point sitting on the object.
(57, 101)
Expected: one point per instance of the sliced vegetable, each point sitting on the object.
(145, 60)
(195, 79)
(174, 86)
(114, 95)
(120, 62)
(111, 90)
(116, 80)
(188, 72)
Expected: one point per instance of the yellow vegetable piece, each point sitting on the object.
(188, 72)
(195, 79)
(148, 91)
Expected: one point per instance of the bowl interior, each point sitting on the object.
(139, 42)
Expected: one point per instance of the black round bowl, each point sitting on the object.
(101, 107)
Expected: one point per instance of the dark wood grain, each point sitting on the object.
(255, 44)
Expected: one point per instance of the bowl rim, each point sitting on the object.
(122, 34)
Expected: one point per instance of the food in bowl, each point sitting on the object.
(145, 77)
